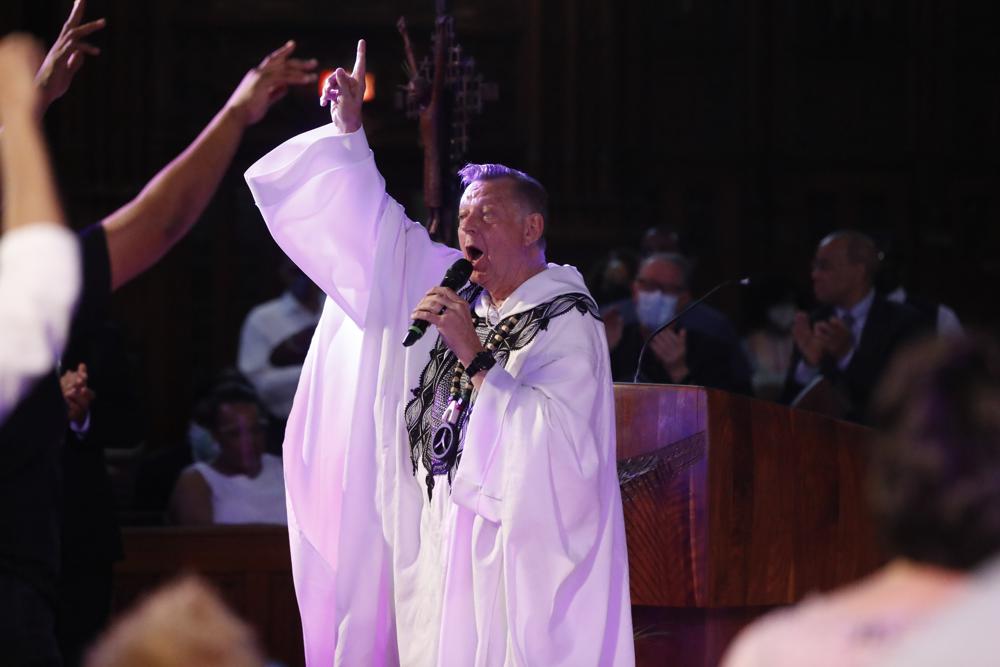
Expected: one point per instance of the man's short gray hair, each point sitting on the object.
(678, 260)
(530, 192)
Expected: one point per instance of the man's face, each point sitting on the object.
(492, 234)
(834, 277)
(241, 435)
(662, 276)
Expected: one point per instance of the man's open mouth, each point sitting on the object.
(473, 253)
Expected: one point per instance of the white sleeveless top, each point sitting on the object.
(241, 499)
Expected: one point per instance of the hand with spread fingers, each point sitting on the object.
(267, 83)
(345, 93)
(450, 313)
(66, 56)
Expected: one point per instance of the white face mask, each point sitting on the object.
(781, 316)
(654, 309)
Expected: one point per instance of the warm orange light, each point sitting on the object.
(369, 83)
(323, 76)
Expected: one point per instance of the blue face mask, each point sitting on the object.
(654, 309)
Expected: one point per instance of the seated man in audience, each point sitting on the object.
(695, 351)
(934, 494)
(242, 484)
(274, 340)
(849, 340)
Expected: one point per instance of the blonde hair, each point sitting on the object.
(184, 624)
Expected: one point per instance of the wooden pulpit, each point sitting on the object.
(733, 506)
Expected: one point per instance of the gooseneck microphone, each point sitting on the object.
(638, 366)
(454, 278)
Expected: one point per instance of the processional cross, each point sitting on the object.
(443, 92)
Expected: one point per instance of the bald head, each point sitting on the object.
(844, 268)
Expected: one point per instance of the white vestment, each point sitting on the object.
(522, 560)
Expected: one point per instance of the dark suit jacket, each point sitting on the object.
(888, 326)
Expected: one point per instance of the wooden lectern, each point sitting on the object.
(732, 506)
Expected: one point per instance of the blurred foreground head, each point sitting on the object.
(184, 624)
(935, 473)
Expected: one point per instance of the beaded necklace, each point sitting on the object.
(444, 447)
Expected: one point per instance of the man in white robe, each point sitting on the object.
(514, 554)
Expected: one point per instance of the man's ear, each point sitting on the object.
(534, 227)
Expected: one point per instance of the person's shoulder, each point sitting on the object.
(900, 316)
(271, 308)
(784, 636)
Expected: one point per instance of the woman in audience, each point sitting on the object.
(935, 494)
(241, 484)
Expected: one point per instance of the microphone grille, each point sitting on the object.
(458, 274)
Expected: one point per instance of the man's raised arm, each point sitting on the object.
(143, 230)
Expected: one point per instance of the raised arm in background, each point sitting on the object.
(143, 230)
(39, 263)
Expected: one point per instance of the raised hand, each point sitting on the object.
(345, 92)
(66, 56)
(19, 57)
(267, 83)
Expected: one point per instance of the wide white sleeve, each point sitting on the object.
(39, 285)
(321, 197)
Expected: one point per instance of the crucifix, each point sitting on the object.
(443, 92)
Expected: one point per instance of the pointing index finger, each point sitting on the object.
(358, 74)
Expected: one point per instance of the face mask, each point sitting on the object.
(204, 447)
(655, 308)
(781, 316)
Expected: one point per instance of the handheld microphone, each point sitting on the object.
(638, 366)
(454, 278)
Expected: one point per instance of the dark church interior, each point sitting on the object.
(722, 139)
